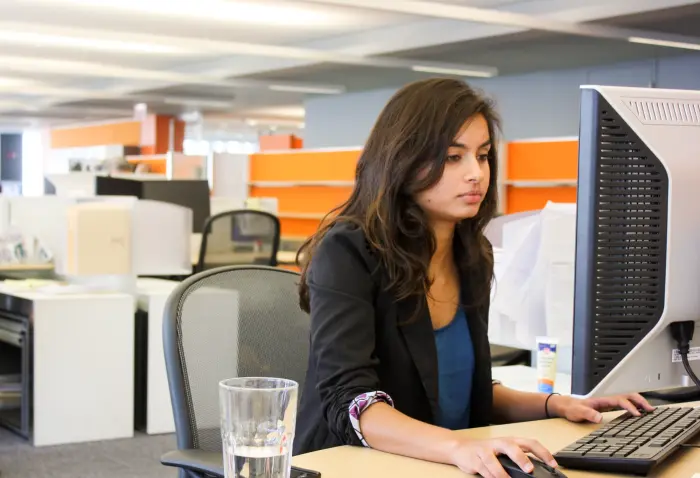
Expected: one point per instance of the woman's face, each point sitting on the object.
(464, 182)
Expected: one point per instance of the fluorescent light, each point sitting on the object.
(452, 71)
(47, 40)
(171, 100)
(218, 10)
(14, 82)
(307, 89)
(667, 43)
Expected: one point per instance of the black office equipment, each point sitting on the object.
(191, 193)
(540, 469)
(11, 157)
(630, 444)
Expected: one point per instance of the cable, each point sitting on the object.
(691, 374)
(682, 333)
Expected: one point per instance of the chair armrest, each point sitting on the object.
(195, 460)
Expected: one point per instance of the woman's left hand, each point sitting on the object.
(589, 409)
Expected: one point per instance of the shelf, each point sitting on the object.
(293, 184)
(301, 215)
(541, 183)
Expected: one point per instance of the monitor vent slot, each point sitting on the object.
(670, 112)
(630, 241)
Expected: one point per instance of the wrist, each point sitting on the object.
(556, 406)
(452, 448)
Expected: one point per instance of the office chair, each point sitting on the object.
(235, 321)
(239, 237)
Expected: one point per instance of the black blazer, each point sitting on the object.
(359, 343)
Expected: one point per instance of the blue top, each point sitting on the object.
(455, 353)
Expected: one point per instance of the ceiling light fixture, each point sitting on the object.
(217, 10)
(452, 71)
(170, 100)
(307, 89)
(14, 82)
(98, 44)
(665, 43)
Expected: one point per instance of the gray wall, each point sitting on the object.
(543, 104)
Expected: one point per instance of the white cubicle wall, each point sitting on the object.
(161, 232)
(533, 290)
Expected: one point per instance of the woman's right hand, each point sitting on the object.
(479, 456)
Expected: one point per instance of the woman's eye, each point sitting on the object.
(484, 157)
(453, 158)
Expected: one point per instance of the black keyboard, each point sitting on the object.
(632, 445)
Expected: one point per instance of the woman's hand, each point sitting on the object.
(589, 409)
(479, 456)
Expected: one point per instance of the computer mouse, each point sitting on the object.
(541, 470)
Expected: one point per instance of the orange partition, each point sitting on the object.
(308, 184)
(529, 199)
(280, 142)
(532, 166)
(156, 163)
(155, 134)
(304, 165)
(127, 133)
(152, 135)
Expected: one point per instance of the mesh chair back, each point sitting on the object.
(239, 237)
(240, 321)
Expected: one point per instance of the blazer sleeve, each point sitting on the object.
(341, 293)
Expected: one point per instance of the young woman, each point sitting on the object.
(398, 287)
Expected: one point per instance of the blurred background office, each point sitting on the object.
(173, 136)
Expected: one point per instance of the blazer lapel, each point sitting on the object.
(417, 331)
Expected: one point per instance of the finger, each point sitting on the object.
(640, 401)
(629, 406)
(591, 414)
(603, 403)
(492, 465)
(483, 471)
(537, 449)
(513, 450)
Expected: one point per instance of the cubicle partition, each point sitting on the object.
(307, 183)
(536, 171)
(190, 193)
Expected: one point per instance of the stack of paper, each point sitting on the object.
(533, 291)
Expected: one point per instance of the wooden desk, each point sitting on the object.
(352, 462)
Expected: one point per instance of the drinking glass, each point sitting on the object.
(258, 418)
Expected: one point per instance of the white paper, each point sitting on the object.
(559, 302)
(534, 279)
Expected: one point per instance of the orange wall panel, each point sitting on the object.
(156, 165)
(155, 135)
(304, 166)
(127, 133)
(305, 199)
(541, 160)
(279, 142)
(529, 199)
(298, 227)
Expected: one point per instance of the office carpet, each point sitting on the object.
(136, 457)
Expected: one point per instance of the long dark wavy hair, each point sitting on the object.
(412, 135)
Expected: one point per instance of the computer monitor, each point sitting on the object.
(637, 265)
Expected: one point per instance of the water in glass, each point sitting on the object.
(258, 417)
